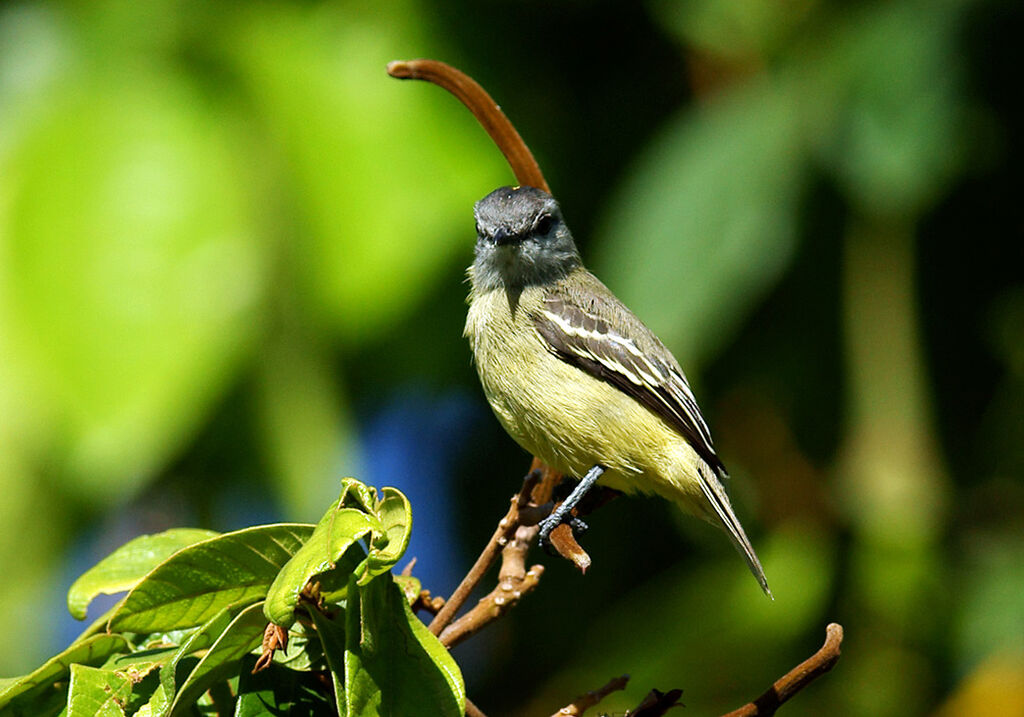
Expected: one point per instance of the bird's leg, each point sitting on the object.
(559, 514)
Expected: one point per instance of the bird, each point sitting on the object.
(575, 378)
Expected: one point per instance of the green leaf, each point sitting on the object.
(388, 545)
(244, 634)
(328, 549)
(410, 585)
(331, 632)
(197, 582)
(356, 494)
(393, 664)
(277, 691)
(123, 568)
(97, 693)
(160, 702)
(17, 694)
(304, 653)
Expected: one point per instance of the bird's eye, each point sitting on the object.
(544, 224)
(479, 233)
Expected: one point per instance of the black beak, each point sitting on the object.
(502, 237)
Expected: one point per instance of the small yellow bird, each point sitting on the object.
(578, 380)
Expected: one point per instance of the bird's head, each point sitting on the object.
(521, 240)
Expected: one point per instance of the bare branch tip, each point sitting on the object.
(400, 69)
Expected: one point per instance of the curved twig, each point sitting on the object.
(505, 531)
(584, 702)
(796, 679)
(486, 111)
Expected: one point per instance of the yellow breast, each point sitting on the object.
(566, 417)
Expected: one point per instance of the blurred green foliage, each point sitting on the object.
(226, 237)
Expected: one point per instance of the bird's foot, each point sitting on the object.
(563, 512)
(558, 517)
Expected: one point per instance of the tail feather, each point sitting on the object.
(715, 494)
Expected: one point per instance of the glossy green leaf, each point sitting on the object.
(277, 691)
(244, 634)
(199, 581)
(388, 546)
(160, 702)
(331, 547)
(97, 693)
(393, 664)
(17, 695)
(123, 568)
(303, 653)
(331, 633)
(356, 494)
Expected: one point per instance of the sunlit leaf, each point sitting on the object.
(159, 703)
(197, 582)
(395, 514)
(123, 568)
(331, 547)
(97, 693)
(243, 635)
(393, 663)
(17, 695)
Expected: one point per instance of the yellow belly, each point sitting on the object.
(569, 419)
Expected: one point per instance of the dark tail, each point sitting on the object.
(715, 494)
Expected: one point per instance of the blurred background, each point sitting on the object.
(232, 257)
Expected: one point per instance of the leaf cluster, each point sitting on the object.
(185, 638)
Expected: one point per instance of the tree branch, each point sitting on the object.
(796, 679)
(502, 534)
(514, 581)
(584, 702)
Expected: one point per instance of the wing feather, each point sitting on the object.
(585, 339)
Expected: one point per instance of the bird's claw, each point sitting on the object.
(558, 517)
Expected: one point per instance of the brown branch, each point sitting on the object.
(502, 534)
(472, 710)
(584, 702)
(424, 601)
(514, 581)
(796, 679)
(486, 111)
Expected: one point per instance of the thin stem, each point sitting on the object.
(796, 679)
(502, 534)
(472, 710)
(584, 702)
(514, 581)
(486, 111)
